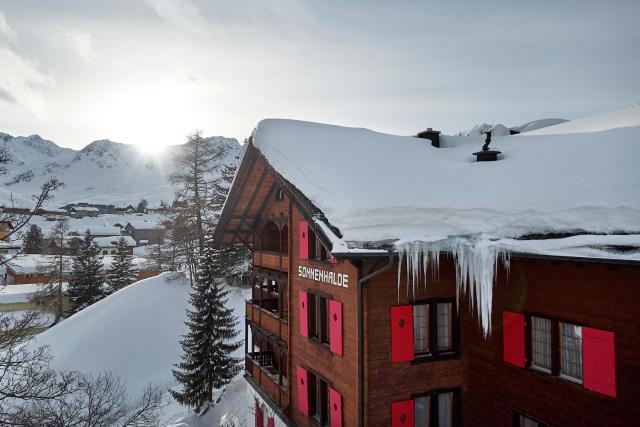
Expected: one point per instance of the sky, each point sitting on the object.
(150, 72)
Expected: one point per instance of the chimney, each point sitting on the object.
(433, 135)
(487, 155)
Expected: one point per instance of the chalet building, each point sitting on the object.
(144, 232)
(84, 211)
(354, 322)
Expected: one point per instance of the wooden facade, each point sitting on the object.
(268, 215)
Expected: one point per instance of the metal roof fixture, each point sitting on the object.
(487, 155)
(433, 135)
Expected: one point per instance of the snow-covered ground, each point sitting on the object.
(19, 293)
(135, 334)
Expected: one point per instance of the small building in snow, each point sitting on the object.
(151, 233)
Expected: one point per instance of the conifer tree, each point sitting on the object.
(207, 363)
(121, 273)
(85, 283)
(32, 242)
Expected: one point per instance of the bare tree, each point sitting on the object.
(55, 270)
(25, 376)
(33, 394)
(192, 213)
(100, 400)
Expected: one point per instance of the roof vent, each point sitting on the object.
(433, 135)
(487, 155)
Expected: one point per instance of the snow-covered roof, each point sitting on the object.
(113, 241)
(34, 263)
(95, 230)
(85, 209)
(144, 225)
(379, 187)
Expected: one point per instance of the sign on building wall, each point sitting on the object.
(324, 276)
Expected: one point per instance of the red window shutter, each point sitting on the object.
(402, 333)
(402, 413)
(599, 361)
(335, 327)
(270, 422)
(513, 338)
(335, 405)
(303, 391)
(303, 241)
(304, 313)
(259, 415)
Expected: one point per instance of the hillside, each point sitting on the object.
(102, 172)
(133, 333)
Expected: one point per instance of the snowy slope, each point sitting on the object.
(134, 333)
(102, 172)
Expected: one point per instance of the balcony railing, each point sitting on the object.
(259, 366)
(267, 319)
(272, 260)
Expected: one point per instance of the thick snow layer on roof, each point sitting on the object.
(627, 117)
(376, 187)
(113, 241)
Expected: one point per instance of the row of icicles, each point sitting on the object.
(476, 263)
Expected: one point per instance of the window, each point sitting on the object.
(541, 344)
(521, 420)
(280, 194)
(433, 328)
(318, 399)
(113, 252)
(435, 409)
(571, 351)
(105, 252)
(556, 348)
(319, 317)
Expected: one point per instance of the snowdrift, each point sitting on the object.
(133, 333)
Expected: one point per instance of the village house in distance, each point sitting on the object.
(398, 281)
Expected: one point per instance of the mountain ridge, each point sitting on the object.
(103, 171)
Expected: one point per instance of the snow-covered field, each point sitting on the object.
(135, 334)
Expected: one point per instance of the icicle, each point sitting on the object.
(476, 264)
(400, 256)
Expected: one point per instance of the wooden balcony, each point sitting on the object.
(271, 260)
(270, 381)
(267, 320)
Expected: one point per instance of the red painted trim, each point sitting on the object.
(303, 390)
(599, 361)
(402, 333)
(259, 415)
(335, 327)
(303, 240)
(513, 338)
(402, 413)
(270, 422)
(335, 406)
(303, 310)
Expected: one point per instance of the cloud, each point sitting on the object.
(182, 14)
(20, 79)
(79, 42)
(5, 30)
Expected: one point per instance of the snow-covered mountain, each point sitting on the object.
(499, 129)
(102, 172)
